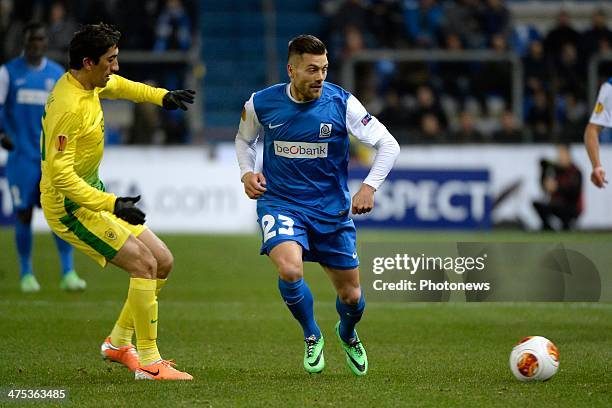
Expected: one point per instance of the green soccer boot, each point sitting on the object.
(29, 284)
(356, 357)
(314, 362)
(72, 283)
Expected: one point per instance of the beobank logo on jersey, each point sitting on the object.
(300, 150)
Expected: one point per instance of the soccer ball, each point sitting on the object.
(535, 358)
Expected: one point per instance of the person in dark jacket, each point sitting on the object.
(562, 183)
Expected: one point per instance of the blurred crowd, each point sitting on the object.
(152, 25)
(145, 24)
(468, 102)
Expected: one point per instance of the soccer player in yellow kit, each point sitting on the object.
(77, 208)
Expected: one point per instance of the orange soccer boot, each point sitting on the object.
(161, 370)
(125, 355)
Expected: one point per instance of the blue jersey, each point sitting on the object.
(23, 93)
(306, 150)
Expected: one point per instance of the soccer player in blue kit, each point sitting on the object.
(302, 196)
(25, 83)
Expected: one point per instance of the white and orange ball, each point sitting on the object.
(535, 358)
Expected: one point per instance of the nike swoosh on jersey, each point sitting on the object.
(271, 126)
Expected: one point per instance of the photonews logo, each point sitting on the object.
(300, 150)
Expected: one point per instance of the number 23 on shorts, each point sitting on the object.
(268, 222)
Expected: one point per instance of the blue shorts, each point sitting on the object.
(23, 175)
(330, 243)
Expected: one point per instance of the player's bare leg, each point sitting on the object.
(138, 260)
(287, 257)
(350, 305)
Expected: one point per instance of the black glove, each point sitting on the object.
(127, 211)
(176, 99)
(5, 142)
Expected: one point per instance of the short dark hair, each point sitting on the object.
(92, 41)
(33, 26)
(306, 44)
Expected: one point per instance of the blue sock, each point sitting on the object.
(23, 237)
(64, 250)
(350, 315)
(298, 298)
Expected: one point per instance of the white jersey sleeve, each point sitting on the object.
(4, 84)
(602, 113)
(367, 129)
(246, 138)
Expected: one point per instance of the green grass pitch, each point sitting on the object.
(223, 321)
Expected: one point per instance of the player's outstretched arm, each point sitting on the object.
(125, 208)
(122, 88)
(591, 140)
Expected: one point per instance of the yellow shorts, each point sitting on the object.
(98, 234)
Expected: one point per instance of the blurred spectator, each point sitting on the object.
(427, 105)
(509, 132)
(573, 116)
(463, 18)
(387, 23)
(598, 36)
(394, 116)
(94, 11)
(563, 33)
(495, 19)
(455, 76)
(61, 27)
(467, 132)
(146, 126)
(522, 36)
(494, 77)
(423, 20)
(535, 69)
(539, 119)
(430, 131)
(173, 29)
(137, 33)
(353, 41)
(562, 184)
(351, 13)
(569, 73)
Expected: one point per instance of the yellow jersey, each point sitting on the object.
(72, 141)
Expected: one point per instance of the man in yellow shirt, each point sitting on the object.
(77, 208)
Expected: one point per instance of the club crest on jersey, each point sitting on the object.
(325, 129)
(61, 142)
(366, 119)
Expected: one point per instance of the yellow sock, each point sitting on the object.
(124, 327)
(160, 285)
(143, 306)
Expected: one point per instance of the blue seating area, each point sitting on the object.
(234, 50)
